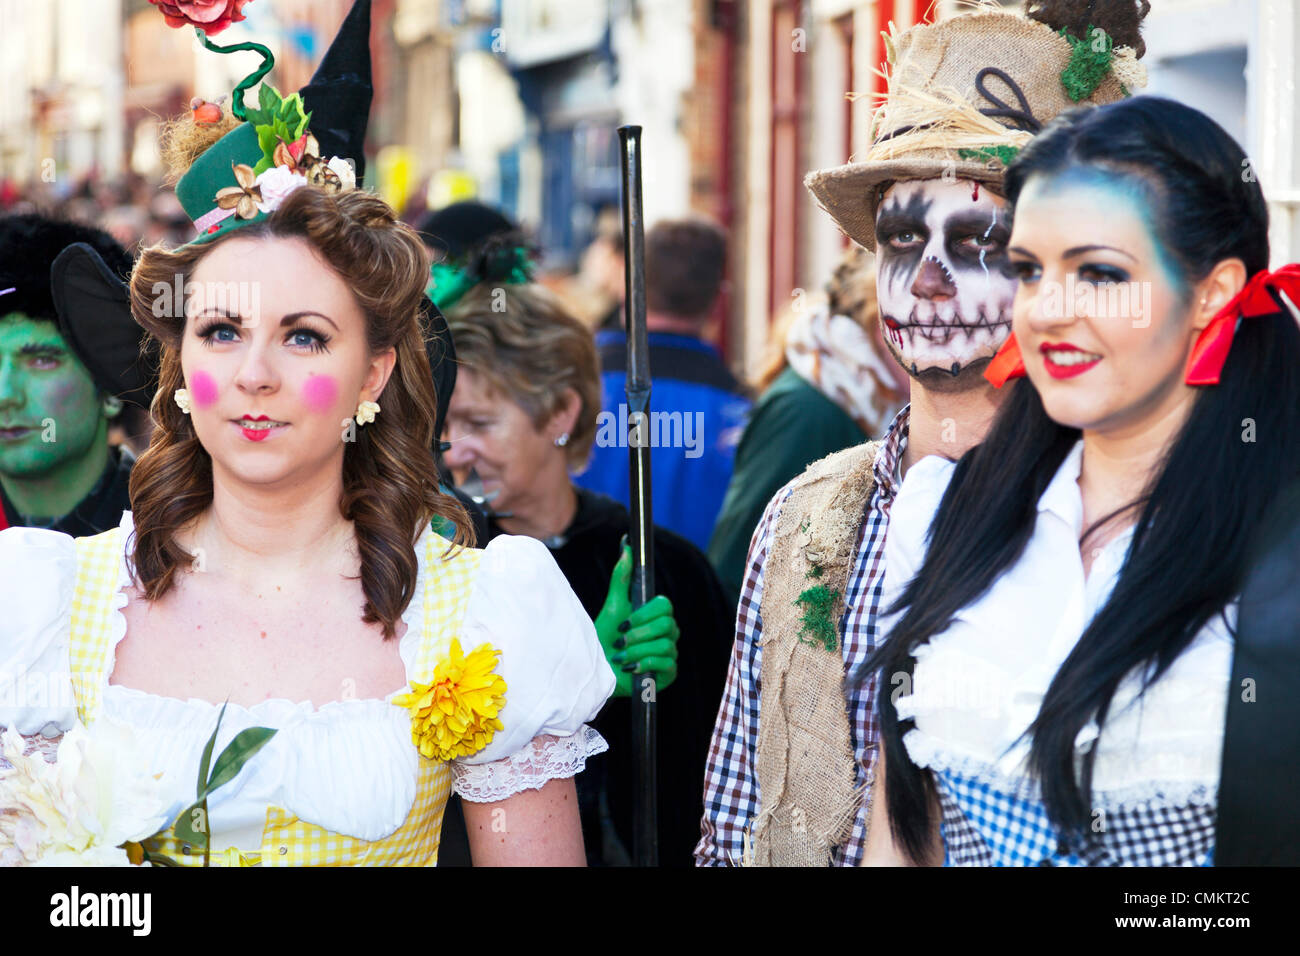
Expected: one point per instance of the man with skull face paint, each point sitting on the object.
(793, 754)
(945, 300)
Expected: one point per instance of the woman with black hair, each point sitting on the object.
(1056, 679)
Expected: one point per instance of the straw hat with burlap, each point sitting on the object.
(963, 96)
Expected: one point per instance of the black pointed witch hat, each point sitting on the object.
(339, 93)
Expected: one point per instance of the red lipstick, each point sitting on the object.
(1077, 364)
(258, 434)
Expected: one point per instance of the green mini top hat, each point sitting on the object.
(212, 172)
(242, 177)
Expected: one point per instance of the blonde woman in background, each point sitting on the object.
(524, 417)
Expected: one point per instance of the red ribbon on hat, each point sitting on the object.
(1209, 353)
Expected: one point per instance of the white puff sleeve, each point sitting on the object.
(556, 675)
(38, 574)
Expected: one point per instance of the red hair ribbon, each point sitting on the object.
(1255, 299)
(1008, 363)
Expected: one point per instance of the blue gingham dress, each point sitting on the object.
(987, 822)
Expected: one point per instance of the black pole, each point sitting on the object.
(645, 834)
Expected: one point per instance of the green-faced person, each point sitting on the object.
(57, 469)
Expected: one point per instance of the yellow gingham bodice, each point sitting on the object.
(286, 840)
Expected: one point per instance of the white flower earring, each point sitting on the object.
(182, 397)
(366, 413)
(562, 440)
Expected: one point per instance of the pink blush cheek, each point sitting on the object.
(320, 393)
(204, 389)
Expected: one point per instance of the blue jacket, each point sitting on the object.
(697, 412)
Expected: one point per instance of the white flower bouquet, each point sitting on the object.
(88, 808)
(80, 810)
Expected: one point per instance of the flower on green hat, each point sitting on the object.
(243, 198)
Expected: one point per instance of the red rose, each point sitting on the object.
(211, 16)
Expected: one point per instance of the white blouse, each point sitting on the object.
(977, 686)
(348, 766)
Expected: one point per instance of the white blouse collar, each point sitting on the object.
(1062, 496)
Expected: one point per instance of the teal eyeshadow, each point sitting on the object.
(1126, 191)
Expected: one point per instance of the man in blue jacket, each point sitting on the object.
(698, 407)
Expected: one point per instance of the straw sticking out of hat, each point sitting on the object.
(939, 118)
(965, 94)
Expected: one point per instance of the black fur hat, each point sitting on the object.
(29, 245)
(75, 276)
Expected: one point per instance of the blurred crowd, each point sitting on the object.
(138, 213)
(131, 208)
(534, 427)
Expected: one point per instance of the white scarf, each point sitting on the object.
(839, 358)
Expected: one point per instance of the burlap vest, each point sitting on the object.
(806, 766)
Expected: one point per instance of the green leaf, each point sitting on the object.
(192, 825)
(245, 745)
(267, 141)
(266, 138)
(268, 99)
(207, 754)
(293, 117)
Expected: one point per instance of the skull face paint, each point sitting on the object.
(941, 270)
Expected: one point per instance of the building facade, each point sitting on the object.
(62, 108)
(519, 102)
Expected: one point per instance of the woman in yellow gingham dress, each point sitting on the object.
(340, 784)
(279, 557)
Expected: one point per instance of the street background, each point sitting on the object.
(517, 102)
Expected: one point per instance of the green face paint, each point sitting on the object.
(53, 444)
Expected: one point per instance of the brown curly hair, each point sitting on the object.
(529, 347)
(390, 480)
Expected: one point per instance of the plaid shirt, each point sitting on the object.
(731, 800)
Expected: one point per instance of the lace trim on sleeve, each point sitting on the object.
(545, 758)
(45, 743)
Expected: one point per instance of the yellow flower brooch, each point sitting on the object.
(455, 714)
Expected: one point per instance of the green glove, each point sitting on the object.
(636, 642)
